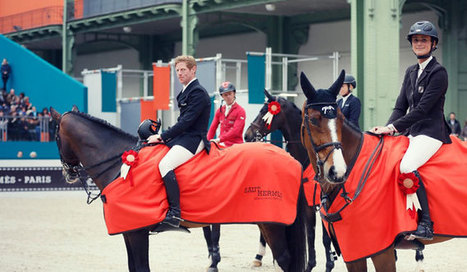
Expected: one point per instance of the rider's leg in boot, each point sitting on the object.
(425, 225)
(173, 216)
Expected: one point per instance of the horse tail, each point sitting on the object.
(296, 236)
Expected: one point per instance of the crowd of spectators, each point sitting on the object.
(20, 120)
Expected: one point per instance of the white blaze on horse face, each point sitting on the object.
(337, 156)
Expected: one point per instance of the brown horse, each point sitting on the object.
(333, 145)
(83, 140)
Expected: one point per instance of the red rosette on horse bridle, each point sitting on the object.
(408, 183)
(129, 159)
(273, 108)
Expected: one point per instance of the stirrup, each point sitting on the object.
(161, 227)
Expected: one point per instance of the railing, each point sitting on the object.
(32, 19)
(27, 128)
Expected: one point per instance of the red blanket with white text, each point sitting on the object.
(244, 183)
(371, 223)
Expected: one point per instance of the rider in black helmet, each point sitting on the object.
(349, 104)
(419, 113)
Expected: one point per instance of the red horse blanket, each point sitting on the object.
(245, 183)
(372, 222)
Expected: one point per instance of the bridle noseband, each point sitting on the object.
(317, 148)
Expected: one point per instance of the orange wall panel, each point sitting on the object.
(147, 110)
(161, 89)
(9, 7)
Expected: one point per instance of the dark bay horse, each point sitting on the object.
(288, 121)
(333, 145)
(93, 145)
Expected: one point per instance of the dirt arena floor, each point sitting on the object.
(58, 231)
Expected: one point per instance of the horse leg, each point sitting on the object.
(258, 261)
(207, 237)
(358, 266)
(310, 231)
(275, 236)
(216, 256)
(330, 256)
(385, 261)
(137, 245)
(419, 258)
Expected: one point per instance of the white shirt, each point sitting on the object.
(228, 107)
(422, 66)
(344, 98)
(184, 87)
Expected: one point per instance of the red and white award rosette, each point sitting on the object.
(273, 109)
(129, 159)
(408, 183)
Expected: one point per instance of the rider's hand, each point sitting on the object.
(156, 138)
(215, 140)
(382, 130)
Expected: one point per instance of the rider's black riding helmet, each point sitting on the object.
(424, 28)
(147, 128)
(226, 87)
(349, 79)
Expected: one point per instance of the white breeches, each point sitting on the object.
(177, 156)
(421, 149)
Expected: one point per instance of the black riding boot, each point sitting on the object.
(425, 225)
(173, 196)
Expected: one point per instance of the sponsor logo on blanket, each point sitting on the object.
(259, 193)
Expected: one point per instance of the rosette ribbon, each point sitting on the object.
(129, 159)
(408, 183)
(273, 109)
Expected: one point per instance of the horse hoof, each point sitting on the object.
(257, 263)
(212, 269)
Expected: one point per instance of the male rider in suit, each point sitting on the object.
(349, 104)
(187, 137)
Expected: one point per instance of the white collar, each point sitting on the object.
(423, 65)
(184, 87)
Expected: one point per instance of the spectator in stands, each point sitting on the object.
(3, 126)
(11, 96)
(454, 125)
(5, 70)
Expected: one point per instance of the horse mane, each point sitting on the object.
(103, 123)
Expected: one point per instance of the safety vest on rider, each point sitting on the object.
(231, 126)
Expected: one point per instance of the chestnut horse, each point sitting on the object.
(83, 141)
(288, 122)
(333, 145)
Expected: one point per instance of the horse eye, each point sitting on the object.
(314, 121)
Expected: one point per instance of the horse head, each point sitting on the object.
(322, 123)
(270, 117)
(91, 144)
(69, 160)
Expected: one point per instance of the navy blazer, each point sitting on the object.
(192, 124)
(424, 100)
(351, 108)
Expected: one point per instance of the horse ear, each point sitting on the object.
(307, 88)
(268, 95)
(336, 86)
(75, 108)
(55, 115)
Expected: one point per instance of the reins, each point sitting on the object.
(333, 217)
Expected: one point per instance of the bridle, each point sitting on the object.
(317, 148)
